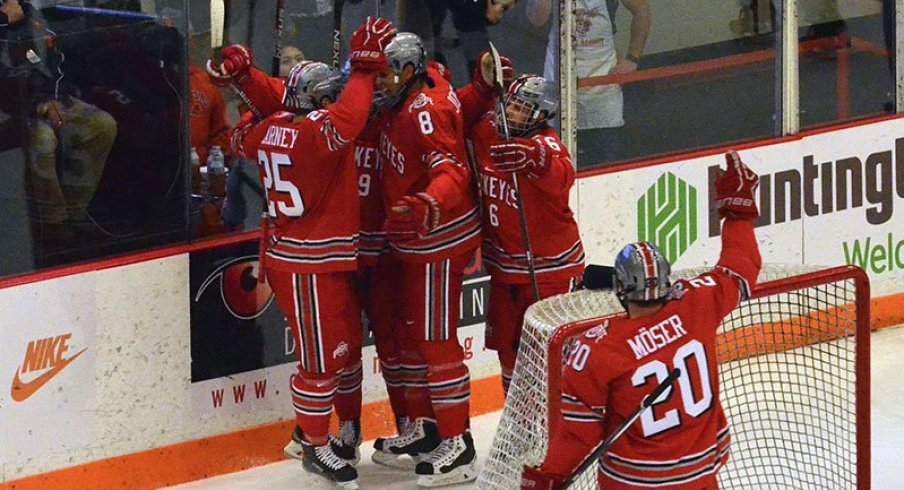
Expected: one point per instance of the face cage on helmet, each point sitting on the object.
(517, 129)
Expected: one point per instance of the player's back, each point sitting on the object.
(682, 441)
(312, 197)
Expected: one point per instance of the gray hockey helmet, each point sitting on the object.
(532, 95)
(301, 82)
(641, 273)
(406, 48)
(329, 88)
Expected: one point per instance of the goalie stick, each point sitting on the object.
(604, 446)
(500, 92)
(218, 24)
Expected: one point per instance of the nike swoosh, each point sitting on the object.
(21, 391)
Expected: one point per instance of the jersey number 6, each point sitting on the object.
(282, 195)
(693, 407)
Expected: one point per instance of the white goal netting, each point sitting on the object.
(792, 360)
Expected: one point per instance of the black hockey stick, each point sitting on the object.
(337, 31)
(528, 251)
(604, 446)
(277, 37)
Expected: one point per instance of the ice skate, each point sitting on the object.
(451, 463)
(347, 441)
(293, 448)
(324, 463)
(418, 438)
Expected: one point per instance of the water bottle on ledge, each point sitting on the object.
(216, 171)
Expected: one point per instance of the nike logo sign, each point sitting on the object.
(22, 391)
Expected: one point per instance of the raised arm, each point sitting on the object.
(735, 191)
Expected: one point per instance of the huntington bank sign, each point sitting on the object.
(667, 216)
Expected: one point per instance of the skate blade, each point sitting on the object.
(462, 474)
(293, 450)
(396, 461)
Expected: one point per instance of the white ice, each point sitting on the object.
(887, 362)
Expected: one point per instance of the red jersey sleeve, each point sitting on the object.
(561, 171)
(740, 254)
(265, 92)
(585, 390)
(443, 152)
(348, 116)
(476, 101)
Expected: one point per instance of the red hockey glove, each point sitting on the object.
(237, 60)
(735, 190)
(368, 43)
(533, 479)
(412, 217)
(521, 155)
(484, 76)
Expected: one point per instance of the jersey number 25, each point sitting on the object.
(282, 195)
(691, 404)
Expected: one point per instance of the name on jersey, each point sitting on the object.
(281, 137)
(650, 340)
(391, 155)
(499, 189)
(366, 157)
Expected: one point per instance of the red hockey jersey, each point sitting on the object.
(420, 140)
(372, 241)
(553, 232)
(311, 182)
(683, 440)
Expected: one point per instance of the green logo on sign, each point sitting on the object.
(667, 216)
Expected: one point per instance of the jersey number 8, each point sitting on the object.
(291, 203)
(692, 406)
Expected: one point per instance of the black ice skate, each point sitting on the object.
(420, 437)
(293, 448)
(347, 441)
(323, 462)
(451, 463)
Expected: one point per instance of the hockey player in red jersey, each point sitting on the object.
(311, 246)
(682, 441)
(433, 227)
(545, 176)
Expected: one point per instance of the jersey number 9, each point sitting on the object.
(282, 195)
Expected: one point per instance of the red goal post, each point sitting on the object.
(794, 377)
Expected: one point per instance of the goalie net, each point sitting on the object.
(794, 377)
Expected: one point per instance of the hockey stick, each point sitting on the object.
(277, 37)
(604, 446)
(218, 24)
(528, 251)
(337, 31)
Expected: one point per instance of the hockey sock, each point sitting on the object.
(348, 394)
(312, 397)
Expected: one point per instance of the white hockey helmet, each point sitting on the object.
(301, 82)
(532, 96)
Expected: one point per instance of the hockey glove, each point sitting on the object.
(735, 190)
(484, 76)
(521, 155)
(368, 43)
(533, 479)
(412, 217)
(237, 60)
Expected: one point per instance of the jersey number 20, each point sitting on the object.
(692, 406)
(291, 204)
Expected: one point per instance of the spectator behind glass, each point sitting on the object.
(207, 120)
(67, 141)
(600, 106)
(289, 56)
